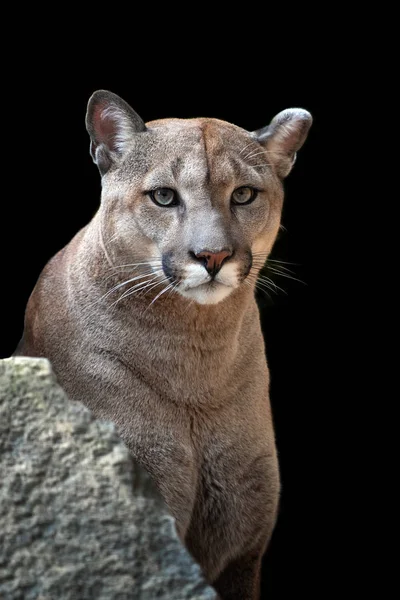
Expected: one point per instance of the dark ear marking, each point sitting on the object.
(112, 125)
(284, 136)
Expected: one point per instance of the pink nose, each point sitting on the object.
(213, 260)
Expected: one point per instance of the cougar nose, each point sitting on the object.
(213, 260)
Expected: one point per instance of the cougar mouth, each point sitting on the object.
(212, 284)
(209, 292)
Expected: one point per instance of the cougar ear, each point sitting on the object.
(111, 124)
(284, 136)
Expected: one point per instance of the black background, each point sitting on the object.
(56, 190)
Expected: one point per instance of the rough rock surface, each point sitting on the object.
(78, 519)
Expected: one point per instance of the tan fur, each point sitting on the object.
(185, 383)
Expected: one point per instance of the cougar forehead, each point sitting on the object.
(223, 145)
(200, 153)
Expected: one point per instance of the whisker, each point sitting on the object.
(265, 262)
(287, 276)
(260, 286)
(138, 287)
(267, 280)
(155, 285)
(256, 277)
(175, 287)
(113, 289)
(135, 289)
(151, 284)
(249, 144)
(116, 287)
(271, 267)
(283, 262)
(191, 302)
(256, 280)
(264, 291)
(134, 269)
(274, 152)
(257, 257)
(147, 262)
(158, 295)
(264, 152)
(254, 154)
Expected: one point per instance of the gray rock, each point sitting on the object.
(78, 519)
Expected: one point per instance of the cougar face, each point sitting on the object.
(196, 200)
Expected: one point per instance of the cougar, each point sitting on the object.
(149, 317)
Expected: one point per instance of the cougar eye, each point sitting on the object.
(164, 197)
(244, 195)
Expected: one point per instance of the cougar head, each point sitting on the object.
(197, 201)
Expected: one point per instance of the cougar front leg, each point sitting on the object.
(240, 580)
